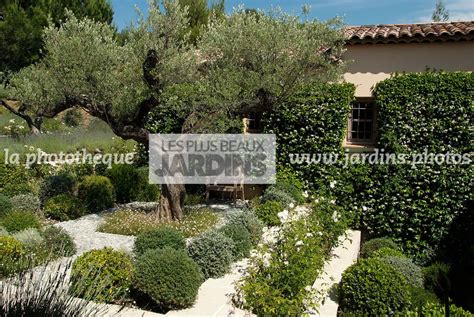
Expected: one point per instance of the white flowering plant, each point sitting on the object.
(290, 257)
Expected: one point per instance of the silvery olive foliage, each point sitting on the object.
(242, 60)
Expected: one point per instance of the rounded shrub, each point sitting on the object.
(56, 185)
(11, 251)
(273, 193)
(249, 220)
(169, 277)
(241, 237)
(385, 251)
(102, 275)
(373, 245)
(26, 202)
(14, 180)
(159, 238)
(212, 251)
(147, 191)
(5, 204)
(268, 212)
(97, 193)
(14, 221)
(124, 179)
(64, 207)
(58, 242)
(374, 288)
(407, 268)
(31, 238)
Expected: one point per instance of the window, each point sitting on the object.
(362, 123)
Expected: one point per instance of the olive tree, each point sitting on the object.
(243, 61)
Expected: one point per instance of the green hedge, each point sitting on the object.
(313, 120)
(430, 110)
(415, 206)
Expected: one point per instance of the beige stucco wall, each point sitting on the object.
(372, 63)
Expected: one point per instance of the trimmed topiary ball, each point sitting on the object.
(26, 202)
(5, 205)
(374, 288)
(169, 277)
(11, 251)
(64, 207)
(249, 220)
(97, 193)
(404, 265)
(14, 221)
(56, 185)
(212, 251)
(102, 275)
(241, 237)
(373, 245)
(158, 239)
(268, 212)
(58, 242)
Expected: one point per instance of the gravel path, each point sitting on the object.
(83, 231)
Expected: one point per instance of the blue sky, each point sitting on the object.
(355, 12)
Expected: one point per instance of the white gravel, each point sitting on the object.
(83, 231)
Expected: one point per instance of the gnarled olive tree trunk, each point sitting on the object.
(171, 202)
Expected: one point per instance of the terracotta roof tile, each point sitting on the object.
(399, 33)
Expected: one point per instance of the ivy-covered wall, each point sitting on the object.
(430, 111)
(313, 120)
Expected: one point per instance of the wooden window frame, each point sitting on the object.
(362, 143)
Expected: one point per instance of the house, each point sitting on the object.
(375, 52)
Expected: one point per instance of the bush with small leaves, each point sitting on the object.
(64, 207)
(241, 237)
(375, 244)
(437, 279)
(169, 277)
(404, 265)
(58, 242)
(437, 310)
(212, 251)
(15, 221)
(147, 191)
(268, 212)
(288, 182)
(159, 238)
(31, 238)
(124, 178)
(26, 202)
(385, 251)
(421, 297)
(372, 287)
(56, 185)
(273, 193)
(97, 193)
(5, 204)
(103, 275)
(249, 220)
(11, 252)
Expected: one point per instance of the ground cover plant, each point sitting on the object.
(129, 222)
